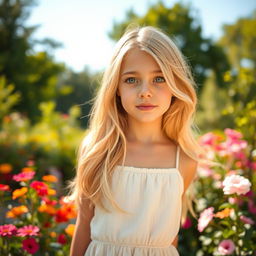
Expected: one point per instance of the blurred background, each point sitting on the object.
(53, 54)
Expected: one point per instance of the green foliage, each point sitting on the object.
(7, 98)
(33, 75)
(184, 27)
(239, 40)
(77, 89)
(52, 141)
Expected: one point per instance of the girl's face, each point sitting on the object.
(142, 82)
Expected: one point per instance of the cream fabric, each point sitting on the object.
(153, 196)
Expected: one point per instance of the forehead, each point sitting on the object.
(136, 59)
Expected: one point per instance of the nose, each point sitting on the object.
(145, 90)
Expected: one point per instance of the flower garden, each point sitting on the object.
(37, 218)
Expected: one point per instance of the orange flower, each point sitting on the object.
(70, 211)
(5, 168)
(27, 169)
(16, 211)
(50, 178)
(19, 192)
(51, 192)
(223, 214)
(47, 208)
(53, 234)
(66, 212)
(70, 229)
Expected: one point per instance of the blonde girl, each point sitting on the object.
(140, 155)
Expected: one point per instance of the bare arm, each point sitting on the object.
(175, 242)
(82, 235)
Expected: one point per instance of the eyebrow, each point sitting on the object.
(135, 72)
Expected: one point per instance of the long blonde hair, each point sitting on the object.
(104, 145)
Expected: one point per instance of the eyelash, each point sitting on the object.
(126, 80)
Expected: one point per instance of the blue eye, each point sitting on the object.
(160, 79)
(130, 80)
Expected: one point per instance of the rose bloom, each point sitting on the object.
(236, 184)
(205, 217)
(226, 247)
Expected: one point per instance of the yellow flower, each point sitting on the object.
(19, 192)
(5, 168)
(70, 229)
(16, 211)
(51, 192)
(50, 178)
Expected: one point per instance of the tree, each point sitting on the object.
(77, 89)
(33, 75)
(179, 22)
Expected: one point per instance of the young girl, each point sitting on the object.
(139, 156)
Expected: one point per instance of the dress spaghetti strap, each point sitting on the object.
(177, 156)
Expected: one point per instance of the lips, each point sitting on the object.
(146, 106)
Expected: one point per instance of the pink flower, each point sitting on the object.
(205, 171)
(204, 219)
(251, 207)
(226, 247)
(40, 187)
(246, 220)
(236, 184)
(209, 139)
(30, 245)
(233, 134)
(24, 176)
(7, 230)
(28, 231)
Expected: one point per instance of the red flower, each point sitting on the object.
(61, 216)
(62, 239)
(30, 245)
(4, 187)
(40, 187)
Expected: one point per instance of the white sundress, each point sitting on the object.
(154, 196)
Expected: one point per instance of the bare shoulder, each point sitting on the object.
(188, 168)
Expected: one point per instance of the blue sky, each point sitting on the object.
(82, 25)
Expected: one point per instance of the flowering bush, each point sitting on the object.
(38, 222)
(227, 193)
